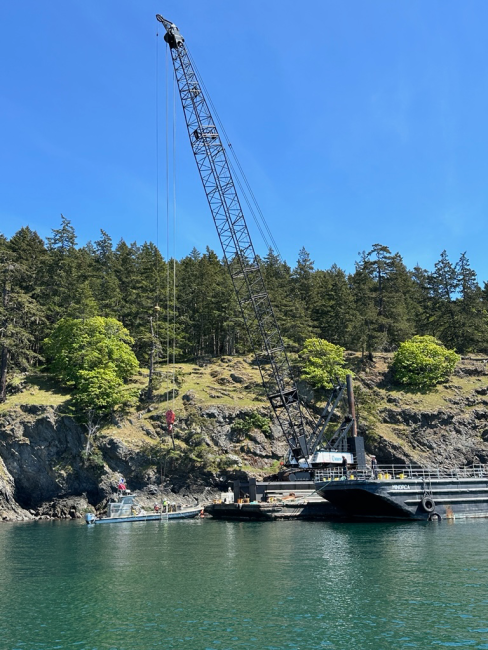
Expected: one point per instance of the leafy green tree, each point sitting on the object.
(422, 362)
(95, 358)
(324, 363)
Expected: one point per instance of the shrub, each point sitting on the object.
(252, 421)
(422, 362)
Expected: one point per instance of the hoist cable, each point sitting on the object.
(174, 235)
(157, 159)
(154, 348)
(241, 170)
(167, 236)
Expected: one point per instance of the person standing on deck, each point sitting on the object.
(374, 467)
(344, 466)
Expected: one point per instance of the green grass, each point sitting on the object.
(42, 390)
(212, 385)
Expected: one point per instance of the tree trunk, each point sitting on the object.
(3, 374)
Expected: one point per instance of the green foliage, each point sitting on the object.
(94, 357)
(242, 427)
(373, 309)
(94, 460)
(20, 314)
(422, 362)
(324, 363)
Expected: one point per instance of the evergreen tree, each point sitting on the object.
(398, 303)
(62, 271)
(421, 301)
(125, 265)
(30, 254)
(107, 291)
(18, 312)
(300, 323)
(444, 286)
(333, 310)
(472, 321)
(277, 278)
(365, 327)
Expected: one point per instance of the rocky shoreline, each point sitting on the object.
(43, 474)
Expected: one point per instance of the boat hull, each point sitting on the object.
(410, 498)
(179, 514)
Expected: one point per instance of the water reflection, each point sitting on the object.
(221, 585)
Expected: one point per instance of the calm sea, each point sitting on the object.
(209, 585)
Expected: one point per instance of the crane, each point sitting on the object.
(239, 254)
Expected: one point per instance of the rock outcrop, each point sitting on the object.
(44, 472)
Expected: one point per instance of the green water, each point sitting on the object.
(209, 585)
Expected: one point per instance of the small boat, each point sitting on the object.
(125, 508)
(408, 492)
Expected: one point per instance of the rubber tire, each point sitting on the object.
(435, 516)
(428, 504)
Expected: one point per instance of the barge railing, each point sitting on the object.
(400, 472)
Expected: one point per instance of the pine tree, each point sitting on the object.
(18, 312)
(300, 324)
(365, 329)
(444, 286)
(30, 254)
(472, 322)
(62, 271)
(333, 308)
(107, 291)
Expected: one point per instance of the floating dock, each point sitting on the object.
(260, 501)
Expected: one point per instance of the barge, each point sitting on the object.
(254, 500)
(408, 492)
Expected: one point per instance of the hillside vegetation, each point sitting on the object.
(188, 307)
(397, 423)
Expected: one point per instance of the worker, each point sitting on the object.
(344, 466)
(374, 467)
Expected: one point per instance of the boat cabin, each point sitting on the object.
(122, 507)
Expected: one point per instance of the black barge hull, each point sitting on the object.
(409, 498)
(312, 511)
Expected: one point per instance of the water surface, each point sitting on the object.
(213, 585)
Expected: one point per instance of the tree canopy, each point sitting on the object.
(195, 313)
(93, 356)
(324, 363)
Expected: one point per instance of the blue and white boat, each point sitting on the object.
(125, 509)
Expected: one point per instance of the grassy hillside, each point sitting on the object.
(385, 410)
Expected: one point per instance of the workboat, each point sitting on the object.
(124, 508)
(407, 492)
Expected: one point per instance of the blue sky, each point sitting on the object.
(357, 122)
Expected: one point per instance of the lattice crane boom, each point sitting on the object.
(239, 254)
